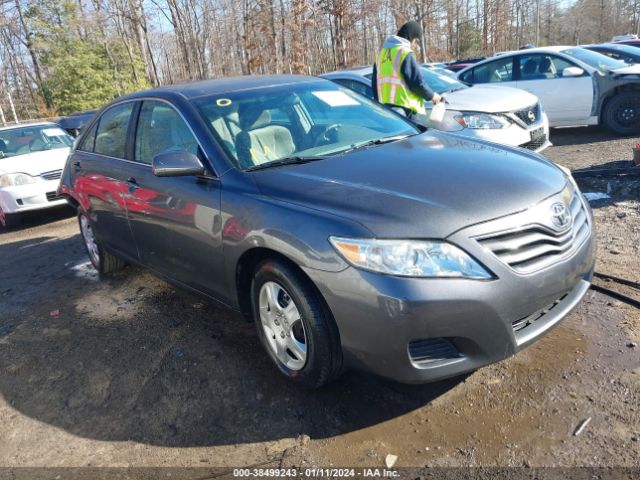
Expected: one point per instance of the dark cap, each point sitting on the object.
(410, 30)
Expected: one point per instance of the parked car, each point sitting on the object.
(350, 237)
(440, 70)
(498, 114)
(460, 64)
(576, 86)
(31, 160)
(624, 53)
(74, 123)
(437, 65)
(632, 43)
(625, 37)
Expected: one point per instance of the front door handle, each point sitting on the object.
(133, 184)
(77, 166)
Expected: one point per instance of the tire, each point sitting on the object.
(9, 220)
(315, 325)
(621, 114)
(103, 261)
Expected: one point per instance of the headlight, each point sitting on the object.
(409, 258)
(481, 121)
(16, 179)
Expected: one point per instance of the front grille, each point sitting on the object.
(522, 323)
(535, 144)
(529, 115)
(431, 350)
(52, 175)
(53, 196)
(537, 246)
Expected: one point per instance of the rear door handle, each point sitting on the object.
(76, 165)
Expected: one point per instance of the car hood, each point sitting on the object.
(489, 99)
(425, 186)
(35, 163)
(630, 70)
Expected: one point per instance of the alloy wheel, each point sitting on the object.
(628, 113)
(282, 325)
(89, 240)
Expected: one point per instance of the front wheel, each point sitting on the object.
(103, 261)
(294, 325)
(621, 114)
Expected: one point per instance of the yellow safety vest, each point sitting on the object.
(392, 90)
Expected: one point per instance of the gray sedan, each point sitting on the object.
(350, 237)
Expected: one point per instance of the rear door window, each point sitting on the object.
(493, 72)
(111, 136)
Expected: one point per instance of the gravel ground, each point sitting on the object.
(130, 371)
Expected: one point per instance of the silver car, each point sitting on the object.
(498, 114)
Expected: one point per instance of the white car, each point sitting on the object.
(576, 86)
(32, 157)
(498, 114)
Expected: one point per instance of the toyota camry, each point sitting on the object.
(349, 236)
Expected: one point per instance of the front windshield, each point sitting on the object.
(440, 83)
(32, 138)
(594, 59)
(310, 119)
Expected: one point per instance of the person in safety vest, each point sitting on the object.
(397, 81)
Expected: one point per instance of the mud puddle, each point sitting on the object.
(522, 411)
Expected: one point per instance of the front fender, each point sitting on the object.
(251, 220)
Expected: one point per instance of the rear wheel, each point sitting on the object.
(621, 114)
(103, 261)
(294, 325)
(9, 220)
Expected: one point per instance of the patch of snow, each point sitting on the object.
(85, 270)
(593, 196)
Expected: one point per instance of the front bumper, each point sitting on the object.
(513, 136)
(36, 196)
(380, 316)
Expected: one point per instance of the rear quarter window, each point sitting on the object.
(88, 141)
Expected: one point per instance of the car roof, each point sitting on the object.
(555, 48)
(360, 72)
(612, 46)
(223, 85)
(28, 124)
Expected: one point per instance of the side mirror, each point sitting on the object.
(176, 164)
(572, 72)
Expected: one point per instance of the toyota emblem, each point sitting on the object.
(560, 215)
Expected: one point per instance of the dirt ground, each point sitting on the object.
(130, 371)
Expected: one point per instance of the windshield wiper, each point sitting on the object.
(377, 141)
(296, 160)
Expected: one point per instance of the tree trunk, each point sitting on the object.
(34, 56)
